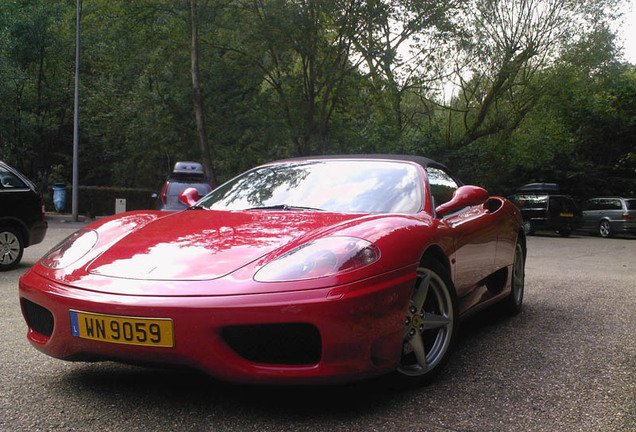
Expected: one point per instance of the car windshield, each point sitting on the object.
(531, 201)
(368, 186)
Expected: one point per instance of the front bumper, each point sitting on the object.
(313, 336)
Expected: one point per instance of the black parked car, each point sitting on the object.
(184, 175)
(544, 208)
(22, 221)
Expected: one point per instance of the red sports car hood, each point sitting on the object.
(204, 245)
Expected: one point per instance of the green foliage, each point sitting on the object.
(33, 84)
(284, 78)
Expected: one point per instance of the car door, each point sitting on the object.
(613, 210)
(15, 198)
(473, 230)
(592, 214)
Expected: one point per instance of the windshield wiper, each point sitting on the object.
(286, 207)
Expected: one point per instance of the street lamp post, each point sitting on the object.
(76, 115)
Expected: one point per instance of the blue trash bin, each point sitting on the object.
(59, 197)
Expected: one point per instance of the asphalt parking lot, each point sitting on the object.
(566, 363)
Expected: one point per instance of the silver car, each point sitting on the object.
(609, 216)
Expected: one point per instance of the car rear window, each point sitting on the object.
(630, 204)
(176, 187)
(562, 205)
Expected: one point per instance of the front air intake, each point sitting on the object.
(39, 319)
(283, 344)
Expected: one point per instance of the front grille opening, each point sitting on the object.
(283, 344)
(39, 319)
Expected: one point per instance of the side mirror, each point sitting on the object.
(465, 196)
(189, 196)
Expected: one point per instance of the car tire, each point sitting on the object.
(528, 227)
(430, 325)
(11, 248)
(513, 302)
(605, 229)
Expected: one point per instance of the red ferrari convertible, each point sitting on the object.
(307, 270)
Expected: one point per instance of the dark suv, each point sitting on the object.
(543, 207)
(22, 221)
(184, 175)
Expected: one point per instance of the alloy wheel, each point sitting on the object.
(429, 326)
(10, 248)
(604, 229)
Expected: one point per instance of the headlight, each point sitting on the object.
(320, 258)
(70, 250)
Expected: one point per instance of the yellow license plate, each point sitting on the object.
(155, 332)
(567, 214)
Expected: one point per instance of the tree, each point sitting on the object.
(196, 90)
(511, 43)
(579, 134)
(145, 47)
(594, 98)
(537, 88)
(403, 46)
(302, 49)
(33, 118)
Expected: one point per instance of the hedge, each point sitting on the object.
(100, 200)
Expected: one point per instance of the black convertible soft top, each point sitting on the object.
(420, 160)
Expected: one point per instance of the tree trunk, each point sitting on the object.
(197, 97)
